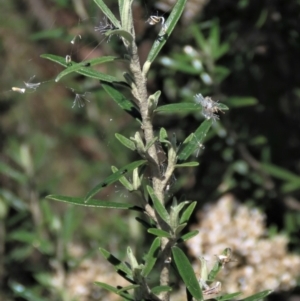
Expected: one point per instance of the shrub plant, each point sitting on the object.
(165, 219)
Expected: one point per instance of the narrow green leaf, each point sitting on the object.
(187, 164)
(164, 33)
(113, 178)
(128, 288)
(159, 233)
(187, 273)
(237, 102)
(188, 235)
(88, 72)
(189, 147)
(93, 203)
(126, 15)
(179, 229)
(199, 37)
(114, 290)
(108, 13)
(84, 70)
(120, 32)
(126, 104)
(280, 173)
(228, 296)
(184, 107)
(123, 180)
(258, 296)
(151, 257)
(76, 67)
(214, 271)
(159, 207)
(159, 289)
(163, 135)
(187, 213)
(125, 141)
(12, 173)
(290, 186)
(118, 264)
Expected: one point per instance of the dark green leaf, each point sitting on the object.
(163, 135)
(184, 107)
(84, 70)
(188, 235)
(159, 289)
(92, 203)
(120, 32)
(159, 233)
(237, 102)
(76, 67)
(228, 296)
(114, 290)
(126, 104)
(159, 207)
(164, 34)
(189, 147)
(187, 273)
(12, 173)
(258, 296)
(108, 13)
(290, 186)
(187, 213)
(279, 172)
(187, 164)
(113, 178)
(151, 257)
(118, 264)
(214, 271)
(123, 180)
(125, 141)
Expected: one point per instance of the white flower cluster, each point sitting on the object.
(261, 262)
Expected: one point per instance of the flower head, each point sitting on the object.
(209, 107)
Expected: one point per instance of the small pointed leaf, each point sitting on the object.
(151, 257)
(123, 180)
(188, 235)
(188, 148)
(118, 264)
(187, 164)
(188, 212)
(113, 178)
(187, 273)
(159, 207)
(185, 107)
(125, 141)
(127, 105)
(159, 233)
